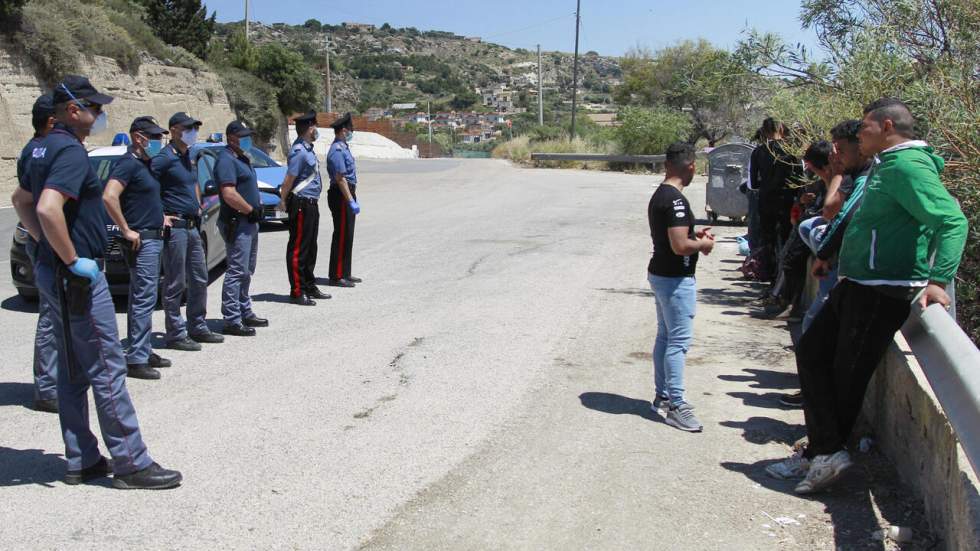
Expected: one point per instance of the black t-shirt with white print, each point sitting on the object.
(669, 208)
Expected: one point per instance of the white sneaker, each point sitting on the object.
(824, 471)
(796, 466)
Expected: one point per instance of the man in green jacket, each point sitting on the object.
(904, 244)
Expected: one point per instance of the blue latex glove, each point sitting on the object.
(355, 207)
(85, 267)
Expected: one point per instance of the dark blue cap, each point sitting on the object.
(75, 87)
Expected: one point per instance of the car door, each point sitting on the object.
(210, 204)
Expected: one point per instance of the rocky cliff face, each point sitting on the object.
(156, 90)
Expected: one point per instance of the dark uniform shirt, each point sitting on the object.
(669, 208)
(61, 163)
(303, 166)
(341, 162)
(236, 170)
(178, 181)
(23, 179)
(140, 200)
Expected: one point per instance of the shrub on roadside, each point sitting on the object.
(649, 131)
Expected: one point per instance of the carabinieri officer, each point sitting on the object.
(132, 198)
(64, 212)
(299, 194)
(241, 212)
(184, 261)
(45, 351)
(342, 200)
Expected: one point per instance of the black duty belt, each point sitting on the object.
(150, 234)
(186, 224)
(309, 200)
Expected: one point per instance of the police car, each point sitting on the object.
(116, 272)
(269, 173)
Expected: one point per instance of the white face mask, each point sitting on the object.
(189, 137)
(101, 124)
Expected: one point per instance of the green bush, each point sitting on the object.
(252, 100)
(520, 148)
(649, 131)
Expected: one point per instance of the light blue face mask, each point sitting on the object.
(350, 135)
(153, 147)
(245, 144)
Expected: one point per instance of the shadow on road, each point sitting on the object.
(21, 467)
(765, 378)
(646, 293)
(872, 484)
(765, 400)
(16, 394)
(763, 430)
(618, 405)
(726, 297)
(271, 297)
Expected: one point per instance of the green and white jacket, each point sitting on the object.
(909, 230)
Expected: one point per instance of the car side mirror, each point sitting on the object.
(210, 188)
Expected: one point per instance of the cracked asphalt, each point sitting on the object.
(487, 386)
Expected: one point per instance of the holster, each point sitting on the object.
(231, 228)
(75, 296)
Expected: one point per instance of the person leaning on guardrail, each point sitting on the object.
(907, 219)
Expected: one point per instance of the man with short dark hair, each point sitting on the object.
(300, 195)
(342, 200)
(903, 244)
(45, 351)
(671, 275)
(238, 219)
(64, 212)
(184, 259)
(132, 199)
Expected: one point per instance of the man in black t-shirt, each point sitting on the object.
(676, 247)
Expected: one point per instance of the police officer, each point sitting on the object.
(342, 200)
(132, 198)
(184, 262)
(299, 195)
(45, 351)
(64, 208)
(238, 219)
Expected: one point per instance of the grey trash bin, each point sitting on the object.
(728, 167)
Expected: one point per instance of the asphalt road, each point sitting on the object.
(487, 386)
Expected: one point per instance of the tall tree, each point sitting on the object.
(297, 84)
(183, 23)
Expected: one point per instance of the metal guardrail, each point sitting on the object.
(951, 363)
(637, 159)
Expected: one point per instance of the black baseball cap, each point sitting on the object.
(237, 128)
(43, 107)
(345, 121)
(147, 125)
(75, 87)
(183, 119)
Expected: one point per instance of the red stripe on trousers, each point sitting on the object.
(339, 272)
(297, 287)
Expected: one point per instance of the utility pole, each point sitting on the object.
(540, 90)
(326, 42)
(246, 20)
(428, 119)
(578, 20)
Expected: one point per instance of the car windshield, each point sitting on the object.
(260, 159)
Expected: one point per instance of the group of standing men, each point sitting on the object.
(153, 195)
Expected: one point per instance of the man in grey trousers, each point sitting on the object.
(184, 263)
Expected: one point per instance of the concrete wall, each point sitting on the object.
(911, 428)
(156, 90)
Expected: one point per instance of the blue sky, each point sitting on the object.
(609, 27)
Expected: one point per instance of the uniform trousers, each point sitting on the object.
(99, 364)
(243, 249)
(144, 278)
(45, 348)
(342, 243)
(301, 249)
(184, 268)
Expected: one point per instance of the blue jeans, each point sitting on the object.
(812, 232)
(101, 366)
(676, 299)
(243, 248)
(144, 276)
(184, 267)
